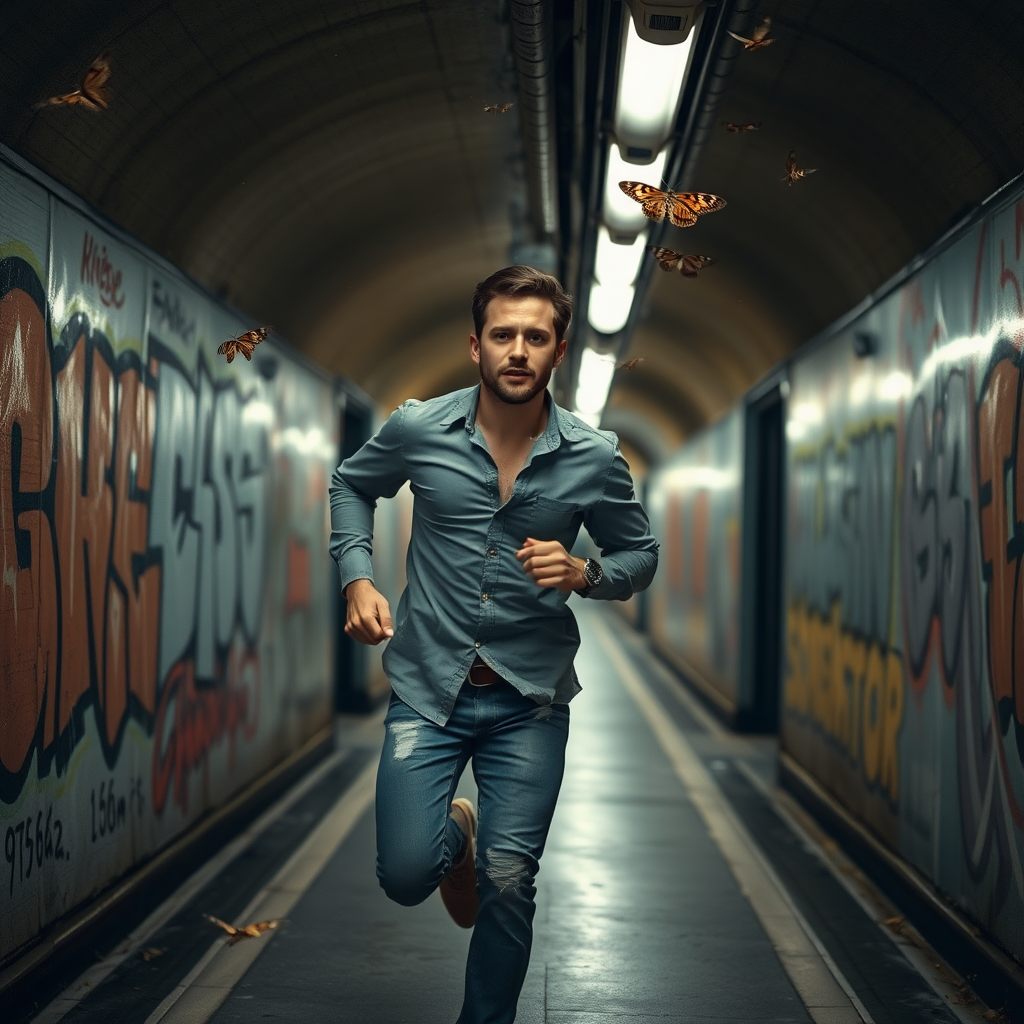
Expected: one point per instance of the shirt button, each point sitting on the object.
(485, 596)
(477, 644)
(491, 552)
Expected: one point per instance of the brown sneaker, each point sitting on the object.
(458, 887)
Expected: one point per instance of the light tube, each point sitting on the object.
(615, 263)
(621, 213)
(609, 306)
(595, 379)
(649, 86)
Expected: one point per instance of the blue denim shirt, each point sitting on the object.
(467, 594)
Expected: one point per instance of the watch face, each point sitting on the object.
(593, 571)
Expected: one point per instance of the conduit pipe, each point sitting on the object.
(531, 43)
(703, 116)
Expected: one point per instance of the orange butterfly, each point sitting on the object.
(669, 259)
(91, 94)
(244, 343)
(630, 364)
(793, 173)
(749, 126)
(494, 108)
(758, 38)
(249, 931)
(682, 208)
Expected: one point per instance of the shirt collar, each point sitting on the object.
(561, 424)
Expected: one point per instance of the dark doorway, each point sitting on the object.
(764, 505)
(350, 671)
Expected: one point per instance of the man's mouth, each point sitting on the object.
(517, 374)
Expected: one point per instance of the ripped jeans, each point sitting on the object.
(518, 752)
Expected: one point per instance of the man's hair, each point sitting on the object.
(522, 281)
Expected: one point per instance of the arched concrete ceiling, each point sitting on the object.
(911, 112)
(329, 168)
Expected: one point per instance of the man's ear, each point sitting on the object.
(560, 352)
(474, 348)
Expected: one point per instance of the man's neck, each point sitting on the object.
(511, 423)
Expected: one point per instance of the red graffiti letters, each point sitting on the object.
(99, 272)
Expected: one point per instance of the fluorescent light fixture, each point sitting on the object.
(650, 82)
(609, 306)
(596, 371)
(620, 212)
(615, 263)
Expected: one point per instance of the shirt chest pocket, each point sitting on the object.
(549, 519)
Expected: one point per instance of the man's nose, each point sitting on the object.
(519, 349)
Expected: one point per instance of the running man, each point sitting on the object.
(481, 656)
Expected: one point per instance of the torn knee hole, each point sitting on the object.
(506, 871)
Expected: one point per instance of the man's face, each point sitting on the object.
(518, 350)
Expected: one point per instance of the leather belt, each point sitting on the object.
(481, 674)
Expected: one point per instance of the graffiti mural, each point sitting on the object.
(904, 688)
(165, 595)
(695, 506)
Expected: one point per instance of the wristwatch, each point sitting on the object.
(593, 573)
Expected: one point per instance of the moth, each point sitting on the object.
(249, 931)
(758, 38)
(669, 259)
(92, 93)
(793, 173)
(681, 208)
(630, 364)
(244, 343)
(495, 108)
(748, 126)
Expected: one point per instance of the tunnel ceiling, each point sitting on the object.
(329, 168)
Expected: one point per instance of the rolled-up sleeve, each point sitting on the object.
(377, 470)
(619, 526)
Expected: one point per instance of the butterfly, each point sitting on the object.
(494, 108)
(758, 38)
(793, 173)
(630, 364)
(249, 931)
(91, 94)
(749, 126)
(688, 266)
(244, 343)
(681, 208)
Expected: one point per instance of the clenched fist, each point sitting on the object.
(368, 615)
(548, 564)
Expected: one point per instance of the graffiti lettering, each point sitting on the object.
(1001, 500)
(99, 272)
(960, 530)
(841, 522)
(850, 689)
(209, 519)
(191, 719)
(33, 843)
(102, 534)
(109, 812)
(168, 311)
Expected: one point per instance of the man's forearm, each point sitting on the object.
(351, 542)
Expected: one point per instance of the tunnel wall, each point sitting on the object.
(904, 599)
(695, 505)
(903, 607)
(165, 624)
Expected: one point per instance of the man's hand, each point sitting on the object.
(548, 564)
(368, 616)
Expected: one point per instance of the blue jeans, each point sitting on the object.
(518, 752)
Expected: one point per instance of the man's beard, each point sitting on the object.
(498, 387)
